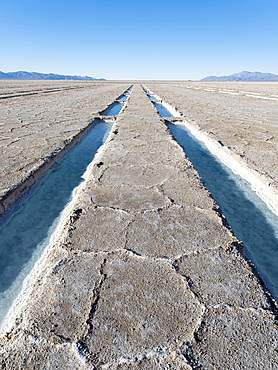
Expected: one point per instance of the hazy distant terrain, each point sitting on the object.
(22, 75)
(244, 76)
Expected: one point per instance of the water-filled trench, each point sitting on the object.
(25, 235)
(162, 110)
(250, 218)
(115, 109)
(152, 98)
(124, 97)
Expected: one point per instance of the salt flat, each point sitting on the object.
(243, 116)
(146, 273)
(35, 128)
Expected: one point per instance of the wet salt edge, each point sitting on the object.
(57, 232)
(256, 180)
(256, 189)
(259, 185)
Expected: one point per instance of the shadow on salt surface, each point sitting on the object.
(24, 236)
(250, 218)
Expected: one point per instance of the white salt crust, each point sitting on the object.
(55, 239)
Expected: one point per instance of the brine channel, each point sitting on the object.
(162, 110)
(25, 235)
(115, 109)
(250, 218)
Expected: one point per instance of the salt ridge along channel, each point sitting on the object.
(250, 218)
(27, 232)
(116, 108)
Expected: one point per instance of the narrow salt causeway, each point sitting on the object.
(145, 272)
(25, 235)
(250, 218)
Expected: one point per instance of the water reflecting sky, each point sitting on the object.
(29, 226)
(250, 218)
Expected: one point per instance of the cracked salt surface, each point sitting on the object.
(245, 206)
(25, 235)
(250, 218)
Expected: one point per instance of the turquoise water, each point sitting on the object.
(123, 97)
(152, 98)
(115, 109)
(28, 230)
(162, 110)
(250, 218)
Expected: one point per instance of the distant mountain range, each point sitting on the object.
(244, 76)
(22, 75)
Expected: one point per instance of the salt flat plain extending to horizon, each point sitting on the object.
(144, 271)
(242, 115)
(41, 120)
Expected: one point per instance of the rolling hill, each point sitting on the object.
(23, 75)
(244, 76)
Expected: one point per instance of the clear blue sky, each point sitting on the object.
(139, 39)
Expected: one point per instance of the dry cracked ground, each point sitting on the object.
(39, 120)
(242, 116)
(147, 273)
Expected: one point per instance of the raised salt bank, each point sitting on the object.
(238, 120)
(36, 129)
(145, 275)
